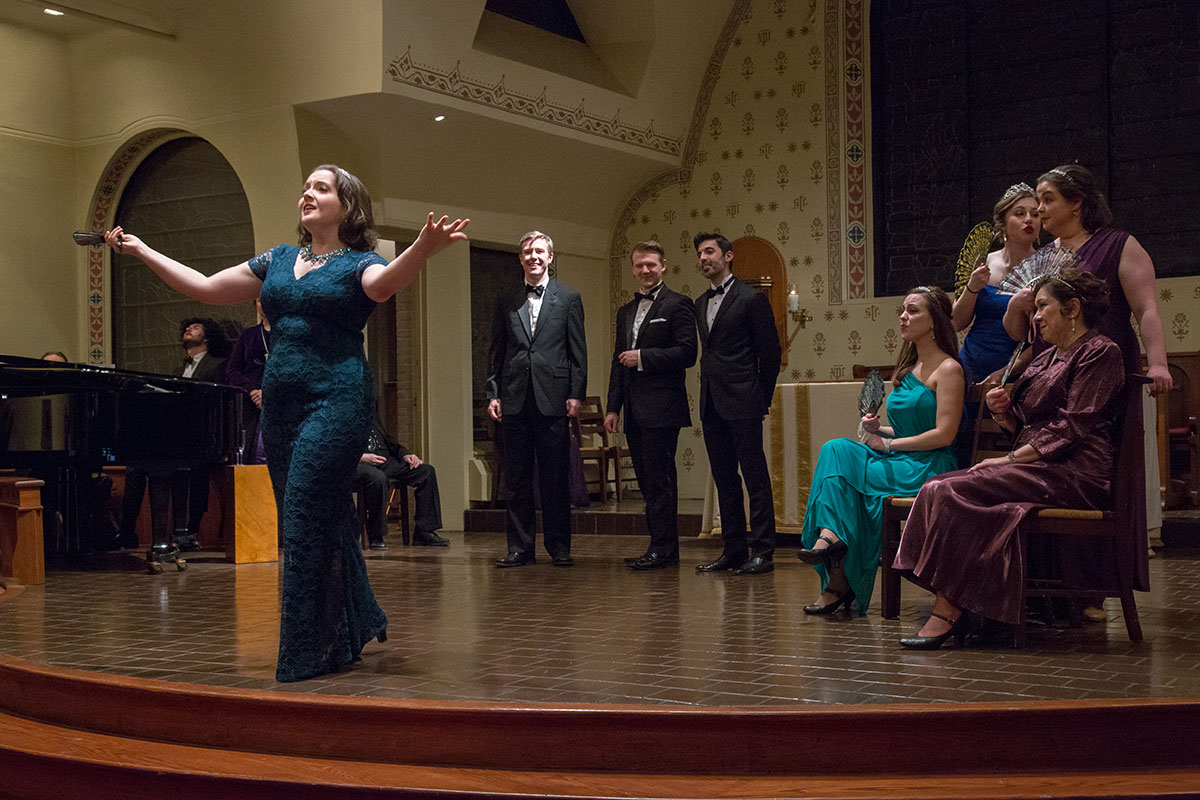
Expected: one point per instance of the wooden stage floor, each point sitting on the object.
(461, 629)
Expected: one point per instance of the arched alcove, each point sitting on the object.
(757, 262)
(184, 199)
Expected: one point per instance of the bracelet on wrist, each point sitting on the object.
(973, 291)
(1012, 456)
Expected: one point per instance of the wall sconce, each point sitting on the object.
(799, 315)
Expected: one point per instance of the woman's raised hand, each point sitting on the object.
(998, 400)
(1022, 301)
(437, 236)
(122, 242)
(979, 278)
(870, 423)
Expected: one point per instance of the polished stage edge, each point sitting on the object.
(276, 743)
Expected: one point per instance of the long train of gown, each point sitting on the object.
(851, 480)
(961, 537)
(318, 403)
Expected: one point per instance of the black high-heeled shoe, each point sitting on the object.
(382, 637)
(831, 555)
(843, 600)
(958, 629)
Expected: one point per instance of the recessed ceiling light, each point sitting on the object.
(439, 118)
(52, 12)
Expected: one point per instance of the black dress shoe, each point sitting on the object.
(380, 545)
(831, 555)
(958, 629)
(630, 559)
(514, 560)
(654, 561)
(725, 562)
(563, 561)
(430, 539)
(843, 600)
(759, 565)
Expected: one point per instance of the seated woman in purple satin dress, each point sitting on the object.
(961, 538)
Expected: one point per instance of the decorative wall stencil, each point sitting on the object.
(819, 344)
(1165, 295)
(1179, 326)
(497, 95)
(854, 343)
(889, 340)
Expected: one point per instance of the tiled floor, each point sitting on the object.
(595, 633)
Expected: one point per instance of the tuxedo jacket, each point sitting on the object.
(553, 358)
(741, 355)
(211, 369)
(655, 396)
(395, 464)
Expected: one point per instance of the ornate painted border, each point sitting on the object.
(853, 75)
(100, 216)
(497, 95)
(833, 149)
(712, 73)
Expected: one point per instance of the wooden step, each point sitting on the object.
(69, 733)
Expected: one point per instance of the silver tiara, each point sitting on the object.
(923, 289)
(1062, 174)
(1017, 188)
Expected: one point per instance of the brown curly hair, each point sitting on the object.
(357, 229)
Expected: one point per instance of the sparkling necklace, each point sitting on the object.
(317, 260)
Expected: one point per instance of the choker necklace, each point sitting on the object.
(307, 254)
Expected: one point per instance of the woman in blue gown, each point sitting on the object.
(318, 400)
(987, 348)
(841, 534)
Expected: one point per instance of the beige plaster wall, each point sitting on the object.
(39, 306)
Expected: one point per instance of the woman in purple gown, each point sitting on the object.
(1072, 208)
(961, 538)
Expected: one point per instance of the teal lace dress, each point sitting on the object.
(851, 480)
(318, 403)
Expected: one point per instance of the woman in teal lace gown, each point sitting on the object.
(841, 534)
(318, 401)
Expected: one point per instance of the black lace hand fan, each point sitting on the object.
(1047, 261)
(871, 396)
(972, 254)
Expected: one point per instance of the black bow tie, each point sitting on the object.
(719, 289)
(541, 287)
(647, 296)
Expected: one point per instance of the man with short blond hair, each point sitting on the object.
(537, 379)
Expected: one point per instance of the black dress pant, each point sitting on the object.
(653, 452)
(526, 434)
(374, 481)
(184, 492)
(734, 443)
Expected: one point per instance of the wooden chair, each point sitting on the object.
(860, 371)
(593, 443)
(1115, 527)
(623, 473)
(1180, 408)
(397, 511)
(990, 440)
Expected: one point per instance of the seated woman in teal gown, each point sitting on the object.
(318, 400)
(841, 534)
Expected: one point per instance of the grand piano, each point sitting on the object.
(67, 421)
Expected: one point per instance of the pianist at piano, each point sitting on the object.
(205, 348)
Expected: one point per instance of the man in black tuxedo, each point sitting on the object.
(737, 378)
(206, 348)
(655, 344)
(386, 460)
(538, 377)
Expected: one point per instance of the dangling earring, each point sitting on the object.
(1073, 326)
